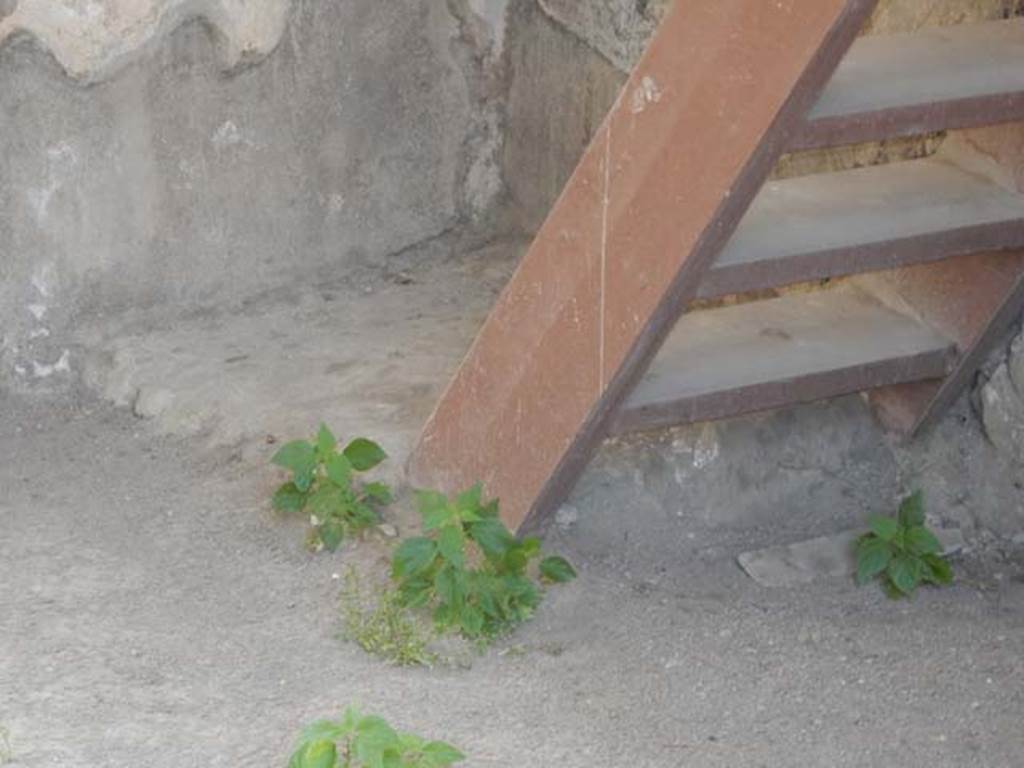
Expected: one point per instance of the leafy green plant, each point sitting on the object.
(324, 484)
(358, 741)
(902, 552)
(377, 621)
(469, 569)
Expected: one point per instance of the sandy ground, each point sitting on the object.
(154, 612)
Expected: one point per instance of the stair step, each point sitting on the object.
(864, 220)
(933, 80)
(765, 354)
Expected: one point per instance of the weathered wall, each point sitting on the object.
(91, 39)
(559, 90)
(173, 152)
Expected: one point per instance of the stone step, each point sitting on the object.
(864, 220)
(933, 80)
(765, 354)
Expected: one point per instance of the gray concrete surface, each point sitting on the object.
(153, 612)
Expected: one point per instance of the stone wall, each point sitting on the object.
(170, 153)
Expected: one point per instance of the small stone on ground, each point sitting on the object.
(822, 557)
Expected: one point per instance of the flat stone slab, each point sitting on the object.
(826, 556)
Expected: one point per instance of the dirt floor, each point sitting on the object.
(153, 611)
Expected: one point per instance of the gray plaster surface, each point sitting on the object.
(172, 181)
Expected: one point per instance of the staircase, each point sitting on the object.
(674, 283)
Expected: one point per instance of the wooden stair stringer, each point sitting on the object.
(719, 94)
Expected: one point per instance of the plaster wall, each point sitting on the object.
(179, 153)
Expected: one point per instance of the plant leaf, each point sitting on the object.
(323, 730)
(514, 561)
(451, 544)
(288, 498)
(364, 454)
(325, 442)
(884, 528)
(873, 556)
(332, 533)
(557, 570)
(297, 456)
(304, 480)
(327, 501)
(530, 547)
(374, 731)
(339, 470)
(434, 508)
(441, 755)
(362, 516)
(912, 510)
(379, 492)
(920, 541)
(446, 584)
(317, 754)
(410, 742)
(413, 557)
(492, 537)
(903, 571)
(938, 570)
(472, 621)
(415, 593)
(469, 500)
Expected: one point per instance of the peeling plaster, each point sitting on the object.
(43, 371)
(494, 14)
(92, 39)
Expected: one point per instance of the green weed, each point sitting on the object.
(902, 552)
(324, 484)
(468, 569)
(378, 623)
(357, 741)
